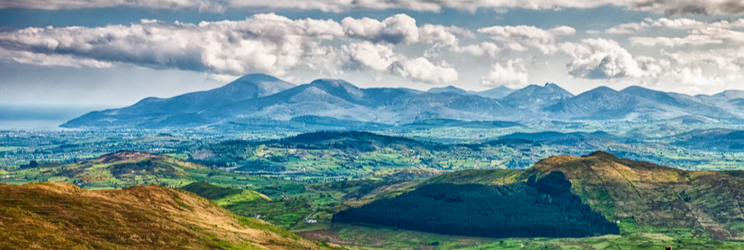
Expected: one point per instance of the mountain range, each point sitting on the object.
(259, 97)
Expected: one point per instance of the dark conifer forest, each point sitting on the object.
(538, 208)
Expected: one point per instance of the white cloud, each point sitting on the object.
(696, 77)
(381, 59)
(514, 36)
(669, 7)
(627, 28)
(727, 59)
(401, 28)
(373, 56)
(679, 23)
(674, 41)
(429, 33)
(603, 59)
(395, 29)
(513, 75)
(265, 43)
(484, 48)
(710, 35)
(26, 57)
(422, 69)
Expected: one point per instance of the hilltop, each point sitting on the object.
(119, 169)
(63, 216)
(653, 197)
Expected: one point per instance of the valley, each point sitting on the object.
(606, 177)
(651, 205)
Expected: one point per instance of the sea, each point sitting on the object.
(40, 117)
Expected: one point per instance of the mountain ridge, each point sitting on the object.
(264, 97)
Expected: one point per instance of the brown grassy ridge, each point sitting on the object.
(648, 194)
(63, 216)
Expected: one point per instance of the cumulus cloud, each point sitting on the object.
(695, 76)
(627, 28)
(679, 23)
(514, 37)
(668, 7)
(382, 59)
(265, 43)
(513, 75)
(710, 35)
(26, 57)
(484, 48)
(373, 56)
(423, 70)
(727, 59)
(401, 28)
(429, 33)
(604, 59)
(395, 29)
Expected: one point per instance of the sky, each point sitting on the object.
(112, 53)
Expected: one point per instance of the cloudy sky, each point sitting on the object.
(110, 53)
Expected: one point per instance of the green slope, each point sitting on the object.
(648, 198)
(224, 196)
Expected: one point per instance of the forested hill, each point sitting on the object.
(542, 208)
(361, 141)
(707, 202)
(351, 141)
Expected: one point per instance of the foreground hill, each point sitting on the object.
(63, 216)
(655, 198)
(542, 208)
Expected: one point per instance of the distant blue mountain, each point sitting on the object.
(633, 103)
(495, 93)
(179, 109)
(264, 101)
(535, 97)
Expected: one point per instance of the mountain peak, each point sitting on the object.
(634, 88)
(536, 97)
(495, 93)
(448, 89)
(339, 88)
(602, 89)
(258, 78)
(267, 85)
(601, 154)
(731, 94)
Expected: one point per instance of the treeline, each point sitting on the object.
(537, 208)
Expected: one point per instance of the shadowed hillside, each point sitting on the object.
(708, 203)
(63, 216)
(542, 208)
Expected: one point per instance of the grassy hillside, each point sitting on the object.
(644, 197)
(224, 196)
(63, 216)
(128, 168)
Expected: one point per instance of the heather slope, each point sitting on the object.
(63, 216)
